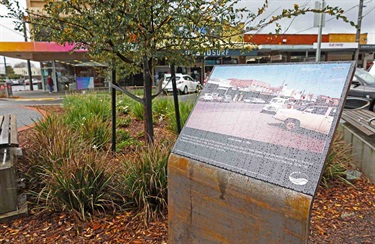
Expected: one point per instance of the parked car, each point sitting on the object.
(371, 70)
(362, 91)
(35, 81)
(185, 84)
(315, 118)
(217, 98)
(227, 98)
(207, 97)
(254, 100)
(275, 104)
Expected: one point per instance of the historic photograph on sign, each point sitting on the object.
(268, 121)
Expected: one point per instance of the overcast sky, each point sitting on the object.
(299, 25)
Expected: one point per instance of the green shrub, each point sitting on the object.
(96, 131)
(122, 135)
(129, 143)
(64, 171)
(146, 181)
(122, 106)
(78, 186)
(78, 107)
(123, 122)
(185, 110)
(338, 161)
(137, 111)
(52, 140)
(89, 115)
(161, 108)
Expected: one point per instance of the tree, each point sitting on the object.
(134, 34)
(23, 65)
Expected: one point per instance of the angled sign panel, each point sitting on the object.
(274, 123)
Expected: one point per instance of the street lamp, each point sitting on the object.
(321, 23)
(358, 34)
(28, 60)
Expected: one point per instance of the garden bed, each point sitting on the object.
(340, 214)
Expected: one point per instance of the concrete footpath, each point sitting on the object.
(21, 104)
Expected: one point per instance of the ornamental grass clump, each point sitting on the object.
(64, 172)
(145, 181)
(79, 185)
(95, 131)
(137, 111)
(161, 108)
(338, 161)
(89, 115)
(185, 110)
(80, 106)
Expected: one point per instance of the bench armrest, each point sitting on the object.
(370, 122)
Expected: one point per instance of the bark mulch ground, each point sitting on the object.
(340, 214)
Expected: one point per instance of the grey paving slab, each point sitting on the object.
(25, 116)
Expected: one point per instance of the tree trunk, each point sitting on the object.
(148, 123)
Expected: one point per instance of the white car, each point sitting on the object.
(315, 118)
(275, 104)
(207, 97)
(227, 98)
(371, 70)
(254, 100)
(185, 84)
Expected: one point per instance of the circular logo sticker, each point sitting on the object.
(298, 178)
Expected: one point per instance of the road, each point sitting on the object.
(246, 121)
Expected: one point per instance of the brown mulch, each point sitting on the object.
(344, 214)
(340, 214)
(62, 228)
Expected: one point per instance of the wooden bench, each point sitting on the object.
(8, 131)
(364, 120)
(8, 158)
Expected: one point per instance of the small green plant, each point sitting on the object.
(137, 111)
(160, 108)
(338, 161)
(146, 181)
(123, 122)
(122, 135)
(185, 110)
(95, 131)
(129, 143)
(123, 106)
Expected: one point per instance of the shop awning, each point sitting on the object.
(41, 51)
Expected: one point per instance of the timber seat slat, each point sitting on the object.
(364, 120)
(8, 131)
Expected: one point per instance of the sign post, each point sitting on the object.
(247, 164)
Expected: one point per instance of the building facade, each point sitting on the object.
(303, 47)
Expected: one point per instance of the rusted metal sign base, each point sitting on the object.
(207, 204)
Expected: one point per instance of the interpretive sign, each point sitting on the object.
(271, 122)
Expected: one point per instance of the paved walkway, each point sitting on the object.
(26, 116)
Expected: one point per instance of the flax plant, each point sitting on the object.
(65, 172)
(146, 181)
(338, 161)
